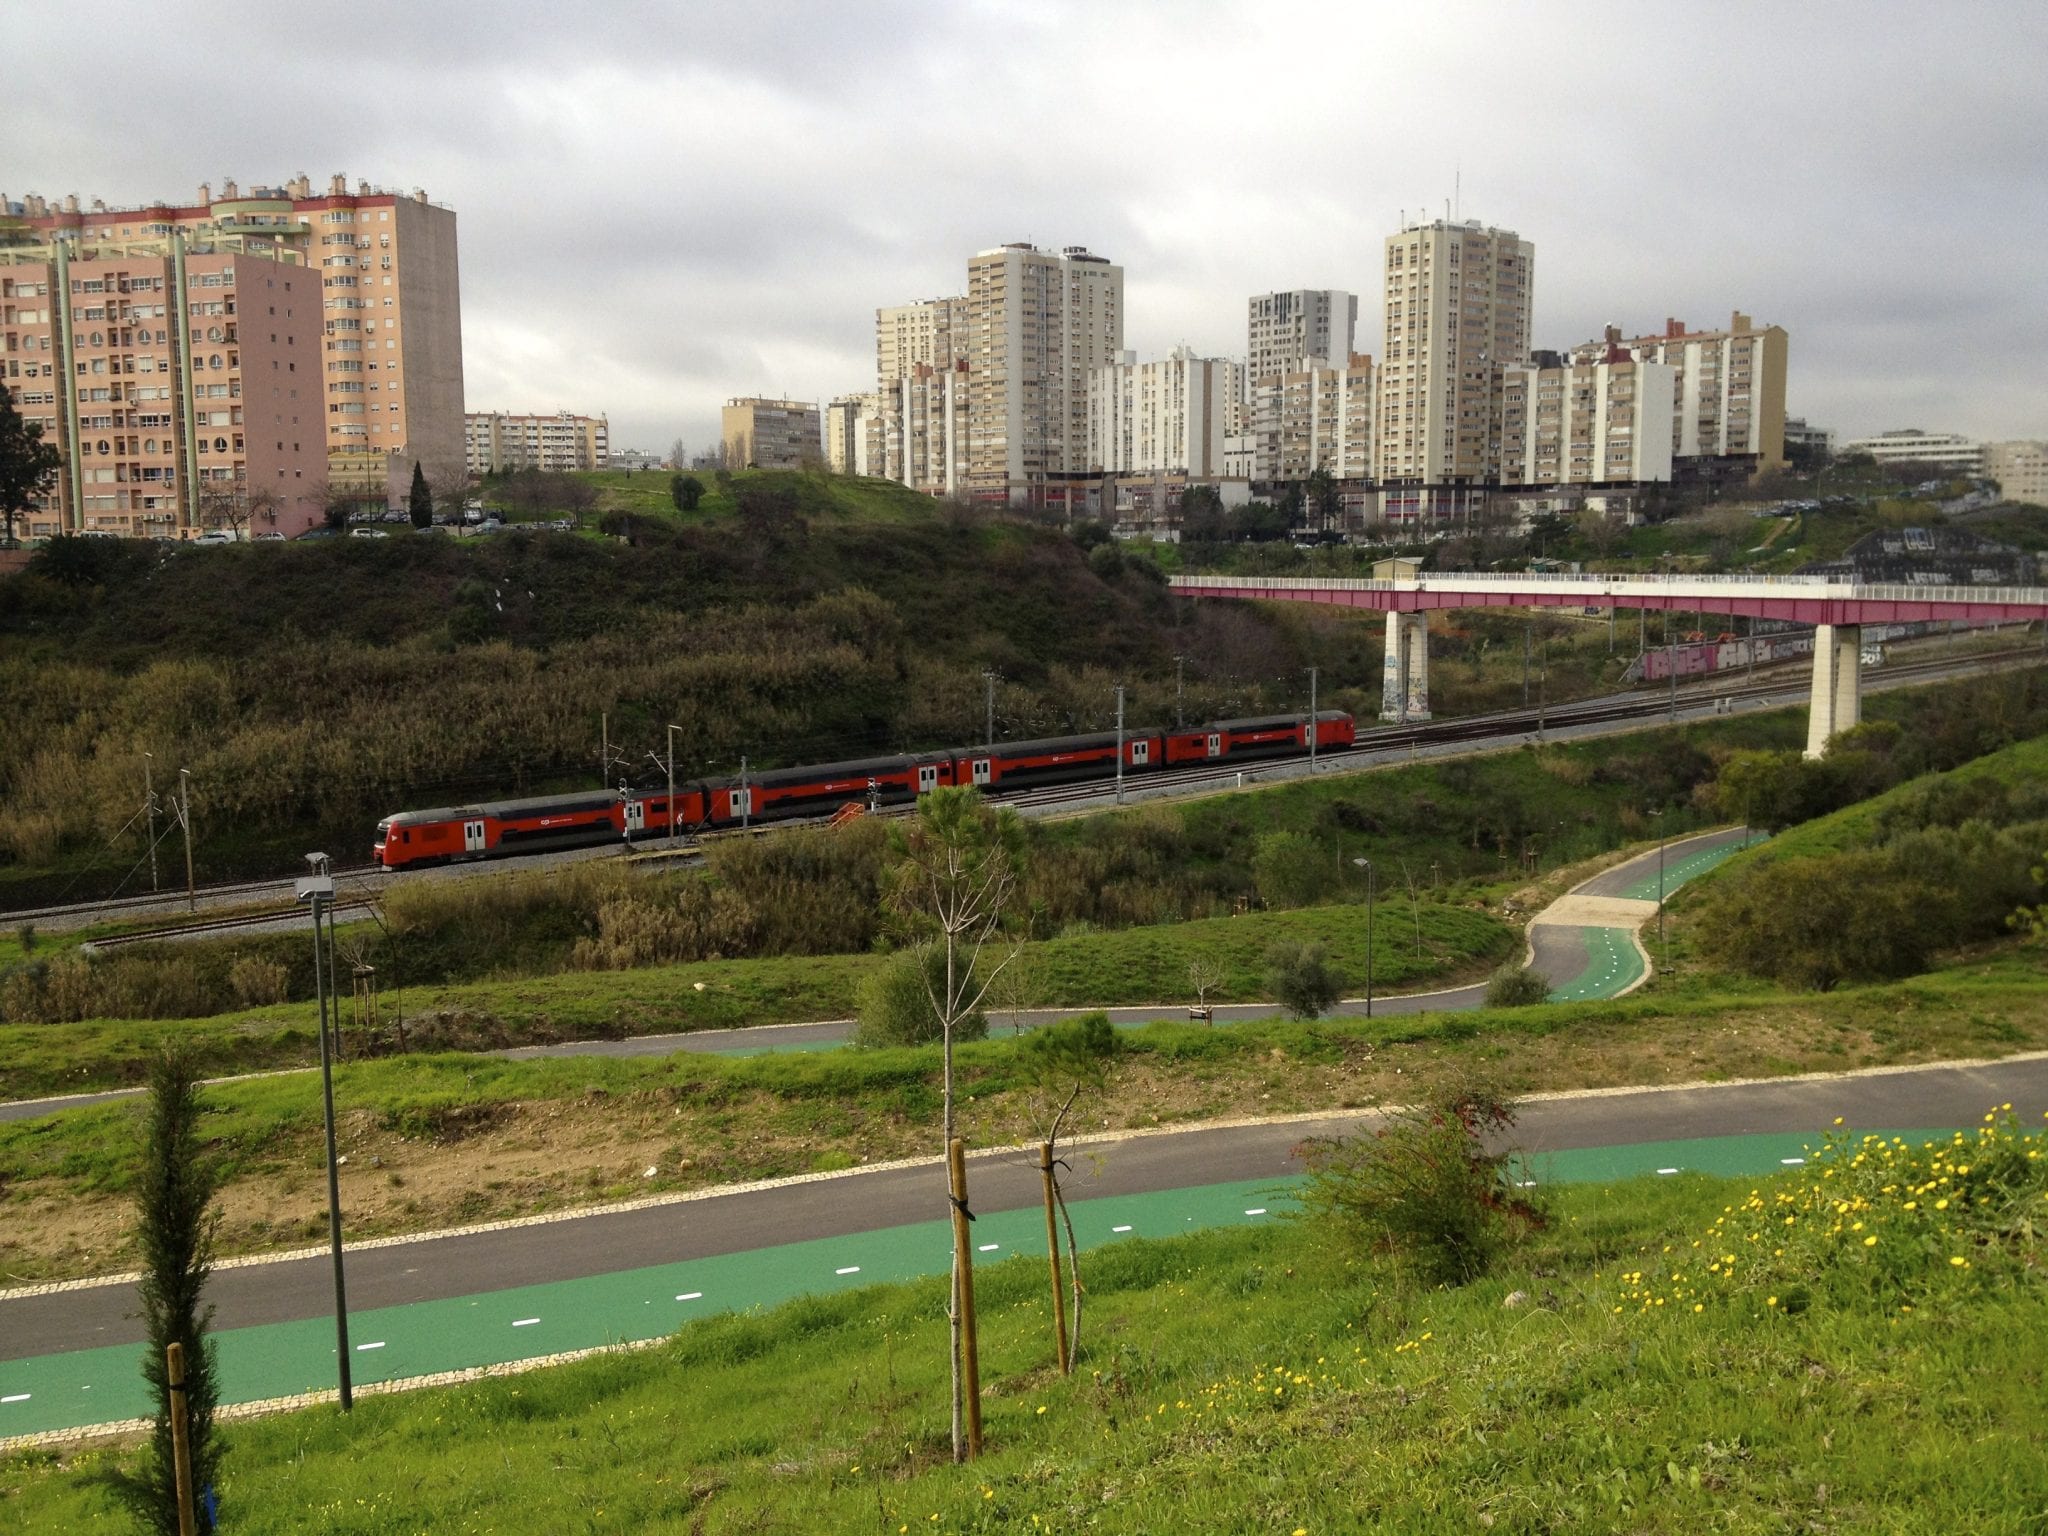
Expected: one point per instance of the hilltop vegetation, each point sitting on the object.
(313, 687)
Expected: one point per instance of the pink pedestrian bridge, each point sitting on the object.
(1837, 609)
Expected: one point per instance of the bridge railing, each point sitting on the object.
(1590, 584)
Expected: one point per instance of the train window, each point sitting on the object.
(405, 837)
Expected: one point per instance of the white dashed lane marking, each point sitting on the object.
(525, 1322)
(19, 1397)
(851, 1269)
(1257, 1210)
(1120, 1229)
(989, 1247)
(691, 1296)
(361, 1347)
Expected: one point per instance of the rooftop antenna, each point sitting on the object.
(1457, 190)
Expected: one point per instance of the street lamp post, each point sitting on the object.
(671, 786)
(317, 889)
(1662, 839)
(1366, 865)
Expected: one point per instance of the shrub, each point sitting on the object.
(1291, 870)
(1512, 986)
(1426, 1188)
(1822, 921)
(257, 983)
(896, 1002)
(1300, 977)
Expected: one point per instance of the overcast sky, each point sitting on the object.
(663, 205)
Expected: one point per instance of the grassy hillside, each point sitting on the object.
(1622, 1372)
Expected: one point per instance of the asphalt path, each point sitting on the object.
(678, 1229)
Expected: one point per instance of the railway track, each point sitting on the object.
(1373, 743)
(293, 915)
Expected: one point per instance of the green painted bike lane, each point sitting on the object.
(1614, 962)
(97, 1386)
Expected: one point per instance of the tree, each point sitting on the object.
(28, 465)
(896, 1007)
(1300, 976)
(1324, 501)
(678, 455)
(685, 491)
(1202, 518)
(1513, 987)
(1291, 869)
(1768, 790)
(1062, 1061)
(954, 867)
(1205, 975)
(175, 1226)
(420, 500)
(232, 505)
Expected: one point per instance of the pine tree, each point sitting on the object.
(421, 502)
(175, 1224)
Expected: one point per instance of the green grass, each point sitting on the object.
(1249, 1379)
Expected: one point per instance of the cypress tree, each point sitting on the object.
(421, 502)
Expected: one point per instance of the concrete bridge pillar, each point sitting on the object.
(1837, 684)
(1404, 685)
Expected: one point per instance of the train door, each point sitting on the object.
(472, 837)
(1308, 734)
(1141, 753)
(927, 777)
(739, 802)
(979, 768)
(636, 816)
(1215, 743)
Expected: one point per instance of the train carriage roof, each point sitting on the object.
(852, 768)
(537, 805)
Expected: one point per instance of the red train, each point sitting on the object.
(505, 827)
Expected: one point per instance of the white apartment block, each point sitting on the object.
(924, 429)
(1039, 324)
(1799, 435)
(1912, 447)
(1458, 299)
(1730, 402)
(1597, 424)
(1284, 330)
(1173, 414)
(770, 434)
(1312, 418)
(2021, 470)
(853, 434)
(494, 441)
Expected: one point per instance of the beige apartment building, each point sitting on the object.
(1173, 414)
(495, 441)
(931, 333)
(391, 306)
(1730, 402)
(179, 380)
(1314, 417)
(2021, 470)
(1458, 299)
(853, 434)
(771, 434)
(1283, 331)
(1591, 424)
(1039, 324)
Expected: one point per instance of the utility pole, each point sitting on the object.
(604, 749)
(1528, 644)
(1180, 719)
(989, 678)
(1366, 865)
(746, 797)
(149, 807)
(185, 821)
(1671, 653)
(671, 786)
(1119, 743)
(1311, 722)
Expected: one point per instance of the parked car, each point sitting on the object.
(398, 515)
(215, 536)
(563, 525)
(368, 533)
(272, 537)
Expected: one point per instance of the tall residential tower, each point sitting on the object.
(1458, 299)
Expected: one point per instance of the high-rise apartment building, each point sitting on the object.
(1167, 415)
(1458, 299)
(1285, 330)
(853, 434)
(391, 306)
(495, 441)
(179, 380)
(1595, 424)
(770, 434)
(929, 334)
(1729, 409)
(1039, 324)
(2021, 470)
(1312, 417)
